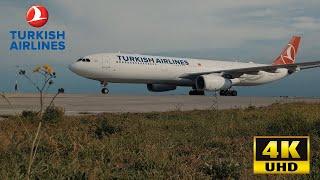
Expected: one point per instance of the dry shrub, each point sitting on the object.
(53, 114)
(31, 116)
(104, 128)
(290, 123)
(222, 169)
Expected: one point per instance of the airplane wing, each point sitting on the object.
(234, 73)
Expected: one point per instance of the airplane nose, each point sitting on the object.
(81, 69)
(73, 67)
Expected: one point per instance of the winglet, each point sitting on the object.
(289, 53)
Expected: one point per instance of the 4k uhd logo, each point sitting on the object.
(37, 16)
(281, 155)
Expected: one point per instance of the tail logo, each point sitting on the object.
(290, 54)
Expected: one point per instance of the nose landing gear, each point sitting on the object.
(104, 90)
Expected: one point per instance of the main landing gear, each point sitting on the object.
(228, 92)
(104, 90)
(196, 92)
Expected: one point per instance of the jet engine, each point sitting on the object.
(212, 82)
(160, 87)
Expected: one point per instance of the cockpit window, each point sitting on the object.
(84, 60)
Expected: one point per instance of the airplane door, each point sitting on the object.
(107, 64)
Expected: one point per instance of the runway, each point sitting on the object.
(94, 103)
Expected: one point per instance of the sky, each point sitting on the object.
(235, 30)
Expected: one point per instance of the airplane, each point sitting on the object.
(166, 73)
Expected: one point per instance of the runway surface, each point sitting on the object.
(93, 103)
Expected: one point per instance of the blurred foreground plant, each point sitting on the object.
(35, 139)
(48, 75)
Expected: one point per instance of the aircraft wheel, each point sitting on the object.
(201, 93)
(195, 92)
(104, 91)
(228, 93)
(234, 93)
(223, 93)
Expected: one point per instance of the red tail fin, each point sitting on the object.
(289, 53)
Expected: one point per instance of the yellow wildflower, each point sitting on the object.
(36, 69)
(48, 69)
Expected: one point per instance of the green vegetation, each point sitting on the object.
(196, 144)
(53, 114)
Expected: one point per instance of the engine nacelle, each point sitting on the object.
(161, 87)
(212, 82)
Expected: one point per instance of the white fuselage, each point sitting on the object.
(135, 68)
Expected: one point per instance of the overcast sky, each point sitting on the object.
(245, 30)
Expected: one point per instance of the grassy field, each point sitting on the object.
(178, 145)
